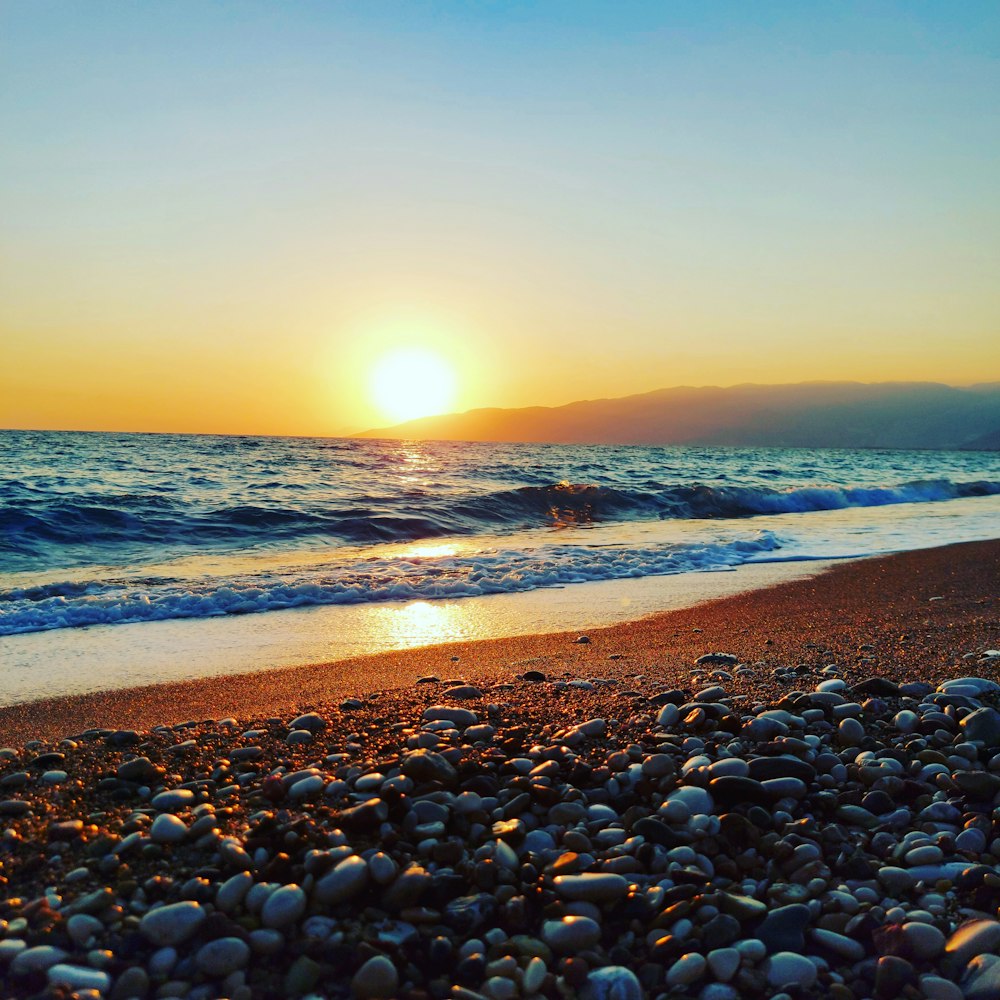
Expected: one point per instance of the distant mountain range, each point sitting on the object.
(804, 414)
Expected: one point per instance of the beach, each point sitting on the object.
(809, 811)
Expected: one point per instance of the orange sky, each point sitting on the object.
(221, 224)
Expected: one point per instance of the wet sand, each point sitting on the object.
(920, 612)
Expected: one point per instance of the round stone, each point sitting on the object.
(783, 928)
(686, 969)
(464, 692)
(222, 956)
(79, 978)
(976, 937)
(724, 963)
(169, 925)
(377, 979)
(171, 801)
(850, 733)
(788, 969)
(697, 800)
(593, 887)
(167, 829)
(614, 982)
(971, 841)
(982, 725)
(657, 765)
(284, 906)
(343, 882)
(311, 722)
(571, 934)
(923, 940)
(38, 959)
(82, 928)
(534, 975)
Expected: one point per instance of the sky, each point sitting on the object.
(224, 217)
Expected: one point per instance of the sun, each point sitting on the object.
(412, 382)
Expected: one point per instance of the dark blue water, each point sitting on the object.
(107, 528)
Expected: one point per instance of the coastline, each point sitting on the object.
(881, 601)
(803, 814)
(103, 658)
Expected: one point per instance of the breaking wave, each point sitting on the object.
(117, 602)
(31, 529)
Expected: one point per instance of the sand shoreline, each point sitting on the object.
(850, 603)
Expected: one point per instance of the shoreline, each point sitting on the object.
(763, 624)
(802, 812)
(189, 649)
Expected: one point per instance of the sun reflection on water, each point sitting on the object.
(423, 623)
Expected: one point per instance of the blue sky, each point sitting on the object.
(566, 199)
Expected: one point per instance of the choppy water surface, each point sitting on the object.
(115, 528)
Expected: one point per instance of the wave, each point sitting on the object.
(117, 602)
(119, 528)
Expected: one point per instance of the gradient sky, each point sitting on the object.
(215, 217)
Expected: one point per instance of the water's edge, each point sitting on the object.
(102, 658)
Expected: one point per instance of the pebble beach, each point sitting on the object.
(788, 793)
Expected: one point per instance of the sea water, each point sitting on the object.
(124, 531)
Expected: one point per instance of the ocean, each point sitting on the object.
(113, 529)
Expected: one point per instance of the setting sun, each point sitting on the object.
(412, 383)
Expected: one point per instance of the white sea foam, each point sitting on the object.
(68, 605)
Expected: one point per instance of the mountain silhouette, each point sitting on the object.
(804, 414)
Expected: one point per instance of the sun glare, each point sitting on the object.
(412, 383)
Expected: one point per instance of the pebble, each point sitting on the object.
(594, 887)
(982, 725)
(687, 969)
(167, 829)
(464, 692)
(789, 969)
(284, 906)
(975, 937)
(82, 928)
(850, 732)
(461, 717)
(982, 978)
(78, 978)
(171, 801)
(311, 722)
(783, 929)
(614, 982)
(29, 960)
(923, 940)
(173, 923)
(571, 933)
(635, 843)
(222, 956)
(724, 963)
(377, 979)
(343, 882)
(427, 765)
